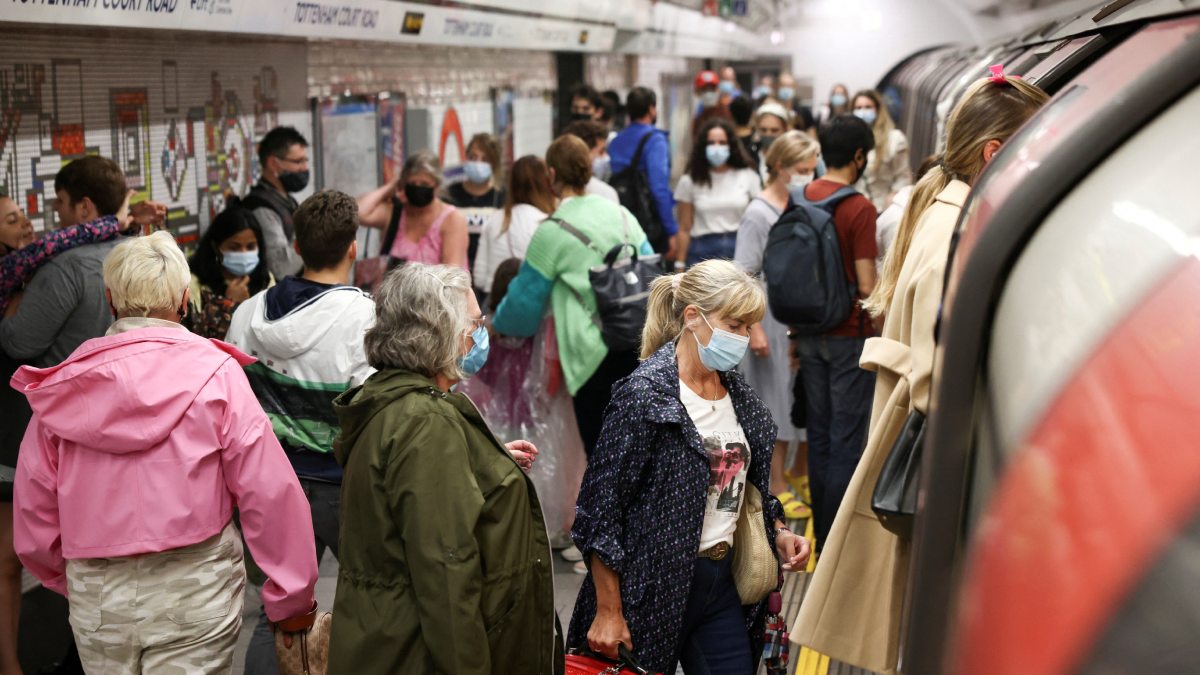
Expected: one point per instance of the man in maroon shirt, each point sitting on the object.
(838, 391)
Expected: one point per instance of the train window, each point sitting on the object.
(1067, 53)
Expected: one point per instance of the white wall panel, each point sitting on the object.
(533, 120)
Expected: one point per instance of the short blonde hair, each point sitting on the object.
(789, 149)
(146, 275)
(717, 287)
(421, 314)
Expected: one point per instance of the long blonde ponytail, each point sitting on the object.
(717, 287)
(989, 110)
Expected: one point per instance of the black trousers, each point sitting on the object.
(591, 401)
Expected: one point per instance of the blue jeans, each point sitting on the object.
(712, 247)
(715, 640)
(839, 412)
(325, 500)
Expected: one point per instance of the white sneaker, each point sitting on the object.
(571, 554)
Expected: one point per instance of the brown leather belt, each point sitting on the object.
(716, 552)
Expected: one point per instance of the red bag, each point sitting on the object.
(580, 664)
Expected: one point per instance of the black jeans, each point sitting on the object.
(325, 500)
(839, 413)
(715, 640)
(592, 398)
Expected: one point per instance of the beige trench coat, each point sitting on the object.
(852, 609)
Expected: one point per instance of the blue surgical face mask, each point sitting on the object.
(867, 115)
(239, 263)
(717, 154)
(478, 172)
(710, 99)
(724, 350)
(837, 100)
(786, 94)
(762, 92)
(726, 87)
(473, 362)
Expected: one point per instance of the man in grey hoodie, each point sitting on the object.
(64, 304)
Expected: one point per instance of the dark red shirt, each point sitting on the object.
(854, 218)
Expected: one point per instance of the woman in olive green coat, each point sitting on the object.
(445, 561)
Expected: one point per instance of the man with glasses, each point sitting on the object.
(283, 158)
(307, 334)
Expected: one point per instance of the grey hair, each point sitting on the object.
(423, 161)
(421, 314)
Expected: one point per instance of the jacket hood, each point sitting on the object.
(355, 407)
(303, 327)
(124, 393)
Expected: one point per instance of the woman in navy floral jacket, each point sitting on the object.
(663, 489)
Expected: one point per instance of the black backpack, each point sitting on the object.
(621, 287)
(807, 288)
(633, 189)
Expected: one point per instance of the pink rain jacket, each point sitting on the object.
(144, 441)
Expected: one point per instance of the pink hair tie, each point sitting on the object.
(998, 76)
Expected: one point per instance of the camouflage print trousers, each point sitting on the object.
(172, 613)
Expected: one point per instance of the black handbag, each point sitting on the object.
(895, 498)
(621, 287)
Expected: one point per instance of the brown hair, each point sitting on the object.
(528, 183)
(988, 111)
(506, 271)
(326, 224)
(490, 147)
(96, 178)
(588, 131)
(571, 161)
(698, 167)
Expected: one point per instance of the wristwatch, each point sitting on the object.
(679, 266)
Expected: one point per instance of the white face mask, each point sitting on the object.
(799, 180)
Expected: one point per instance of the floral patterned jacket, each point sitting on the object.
(17, 268)
(641, 507)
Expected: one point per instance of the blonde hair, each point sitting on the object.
(883, 126)
(146, 275)
(789, 149)
(715, 286)
(988, 111)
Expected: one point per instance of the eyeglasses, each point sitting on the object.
(476, 323)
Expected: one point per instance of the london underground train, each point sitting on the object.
(1058, 528)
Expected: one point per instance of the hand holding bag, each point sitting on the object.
(895, 497)
(309, 653)
(579, 663)
(755, 567)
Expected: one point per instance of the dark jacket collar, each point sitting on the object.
(662, 371)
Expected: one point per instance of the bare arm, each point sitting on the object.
(865, 271)
(687, 216)
(375, 207)
(455, 240)
(608, 629)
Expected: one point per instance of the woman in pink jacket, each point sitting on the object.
(141, 444)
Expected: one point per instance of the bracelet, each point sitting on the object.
(300, 622)
(783, 529)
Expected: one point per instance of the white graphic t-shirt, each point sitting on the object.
(728, 459)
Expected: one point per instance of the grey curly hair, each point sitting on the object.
(421, 314)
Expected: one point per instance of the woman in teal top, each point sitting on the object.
(556, 270)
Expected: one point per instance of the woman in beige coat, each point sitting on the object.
(888, 167)
(853, 606)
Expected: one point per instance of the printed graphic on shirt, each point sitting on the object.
(727, 456)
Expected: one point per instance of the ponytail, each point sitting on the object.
(991, 109)
(714, 286)
(663, 323)
(923, 195)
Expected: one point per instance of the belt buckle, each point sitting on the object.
(717, 552)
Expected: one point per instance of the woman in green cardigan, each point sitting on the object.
(555, 270)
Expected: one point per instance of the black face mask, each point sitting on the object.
(578, 116)
(293, 181)
(765, 142)
(418, 195)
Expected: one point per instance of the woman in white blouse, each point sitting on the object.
(507, 234)
(712, 196)
(888, 168)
